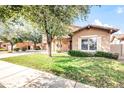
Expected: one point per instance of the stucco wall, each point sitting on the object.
(23, 44)
(64, 43)
(4, 45)
(117, 48)
(103, 37)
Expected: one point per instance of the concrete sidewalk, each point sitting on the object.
(15, 76)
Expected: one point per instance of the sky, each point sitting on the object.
(106, 15)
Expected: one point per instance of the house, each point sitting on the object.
(30, 46)
(117, 38)
(89, 38)
(117, 44)
(3, 45)
(25, 44)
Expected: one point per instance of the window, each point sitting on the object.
(84, 44)
(89, 44)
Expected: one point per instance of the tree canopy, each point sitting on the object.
(52, 19)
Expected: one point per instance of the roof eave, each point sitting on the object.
(116, 30)
(112, 30)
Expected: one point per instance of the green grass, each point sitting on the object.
(95, 71)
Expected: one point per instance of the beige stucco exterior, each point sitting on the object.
(103, 38)
(117, 48)
(61, 45)
(4, 45)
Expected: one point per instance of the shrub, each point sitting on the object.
(24, 49)
(2, 49)
(106, 55)
(9, 51)
(93, 54)
(16, 49)
(80, 53)
(58, 51)
(37, 48)
(103, 54)
(115, 56)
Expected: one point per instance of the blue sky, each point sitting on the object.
(106, 15)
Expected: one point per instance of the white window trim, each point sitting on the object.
(85, 37)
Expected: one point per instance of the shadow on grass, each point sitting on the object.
(94, 75)
(67, 59)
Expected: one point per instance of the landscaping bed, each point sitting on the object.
(95, 71)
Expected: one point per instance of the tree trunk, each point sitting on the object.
(49, 49)
(49, 42)
(11, 46)
(34, 46)
(49, 36)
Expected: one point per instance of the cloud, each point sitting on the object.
(120, 10)
(98, 22)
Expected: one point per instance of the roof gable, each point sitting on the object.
(108, 29)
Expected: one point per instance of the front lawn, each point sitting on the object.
(95, 71)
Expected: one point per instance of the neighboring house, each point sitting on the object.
(117, 44)
(3, 45)
(117, 38)
(30, 45)
(25, 44)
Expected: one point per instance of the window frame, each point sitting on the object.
(88, 38)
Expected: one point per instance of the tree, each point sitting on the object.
(53, 20)
(35, 36)
(9, 35)
(29, 32)
(9, 11)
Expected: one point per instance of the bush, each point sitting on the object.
(103, 54)
(24, 49)
(58, 51)
(2, 49)
(115, 56)
(93, 54)
(80, 53)
(16, 49)
(107, 55)
(37, 48)
(9, 51)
